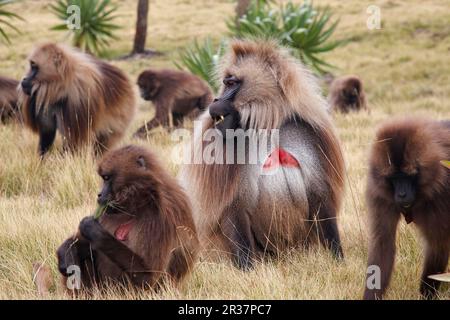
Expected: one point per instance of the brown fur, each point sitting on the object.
(9, 109)
(275, 89)
(162, 242)
(175, 94)
(98, 101)
(347, 94)
(411, 146)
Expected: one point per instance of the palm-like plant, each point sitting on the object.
(96, 26)
(5, 20)
(201, 60)
(301, 27)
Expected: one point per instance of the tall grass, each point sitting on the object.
(405, 69)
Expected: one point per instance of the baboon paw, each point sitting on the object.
(91, 229)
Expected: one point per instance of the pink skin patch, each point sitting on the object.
(280, 158)
(123, 230)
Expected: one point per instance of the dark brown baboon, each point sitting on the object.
(292, 196)
(8, 99)
(175, 94)
(146, 234)
(406, 179)
(347, 94)
(85, 99)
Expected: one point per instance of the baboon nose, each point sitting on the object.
(402, 194)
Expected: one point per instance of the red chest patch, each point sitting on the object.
(123, 230)
(280, 158)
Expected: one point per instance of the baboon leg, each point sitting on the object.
(239, 238)
(381, 247)
(177, 119)
(104, 142)
(436, 260)
(132, 264)
(328, 231)
(161, 119)
(77, 252)
(179, 264)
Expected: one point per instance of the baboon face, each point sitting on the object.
(124, 175)
(247, 82)
(222, 109)
(46, 65)
(149, 85)
(351, 91)
(407, 161)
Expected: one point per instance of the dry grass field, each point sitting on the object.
(406, 70)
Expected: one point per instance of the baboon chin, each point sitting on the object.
(406, 179)
(146, 235)
(87, 100)
(347, 94)
(240, 208)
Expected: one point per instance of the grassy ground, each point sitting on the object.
(406, 70)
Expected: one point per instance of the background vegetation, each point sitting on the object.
(406, 70)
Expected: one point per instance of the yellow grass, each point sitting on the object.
(406, 70)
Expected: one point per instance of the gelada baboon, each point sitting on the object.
(146, 234)
(406, 179)
(175, 94)
(85, 99)
(238, 207)
(347, 94)
(8, 99)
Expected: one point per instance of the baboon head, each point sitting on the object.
(351, 91)
(149, 85)
(405, 162)
(47, 64)
(128, 182)
(256, 78)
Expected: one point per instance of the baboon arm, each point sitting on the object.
(47, 133)
(131, 263)
(436, 260)
(382, 247)
(328, 231)
(238, 234)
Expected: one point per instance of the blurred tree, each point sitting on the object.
(141, 27)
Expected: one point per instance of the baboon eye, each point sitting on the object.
(33, 65)
(106, 177)
(230, 81)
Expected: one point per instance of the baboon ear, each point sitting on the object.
(59, 62)
(141, 162)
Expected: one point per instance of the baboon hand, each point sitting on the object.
(91, 230)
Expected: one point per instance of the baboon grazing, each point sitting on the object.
(406, 179)
(244, 209)
(347, 94)
(85, 99)
(146, 234)
(8, 99)
(175, 94)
